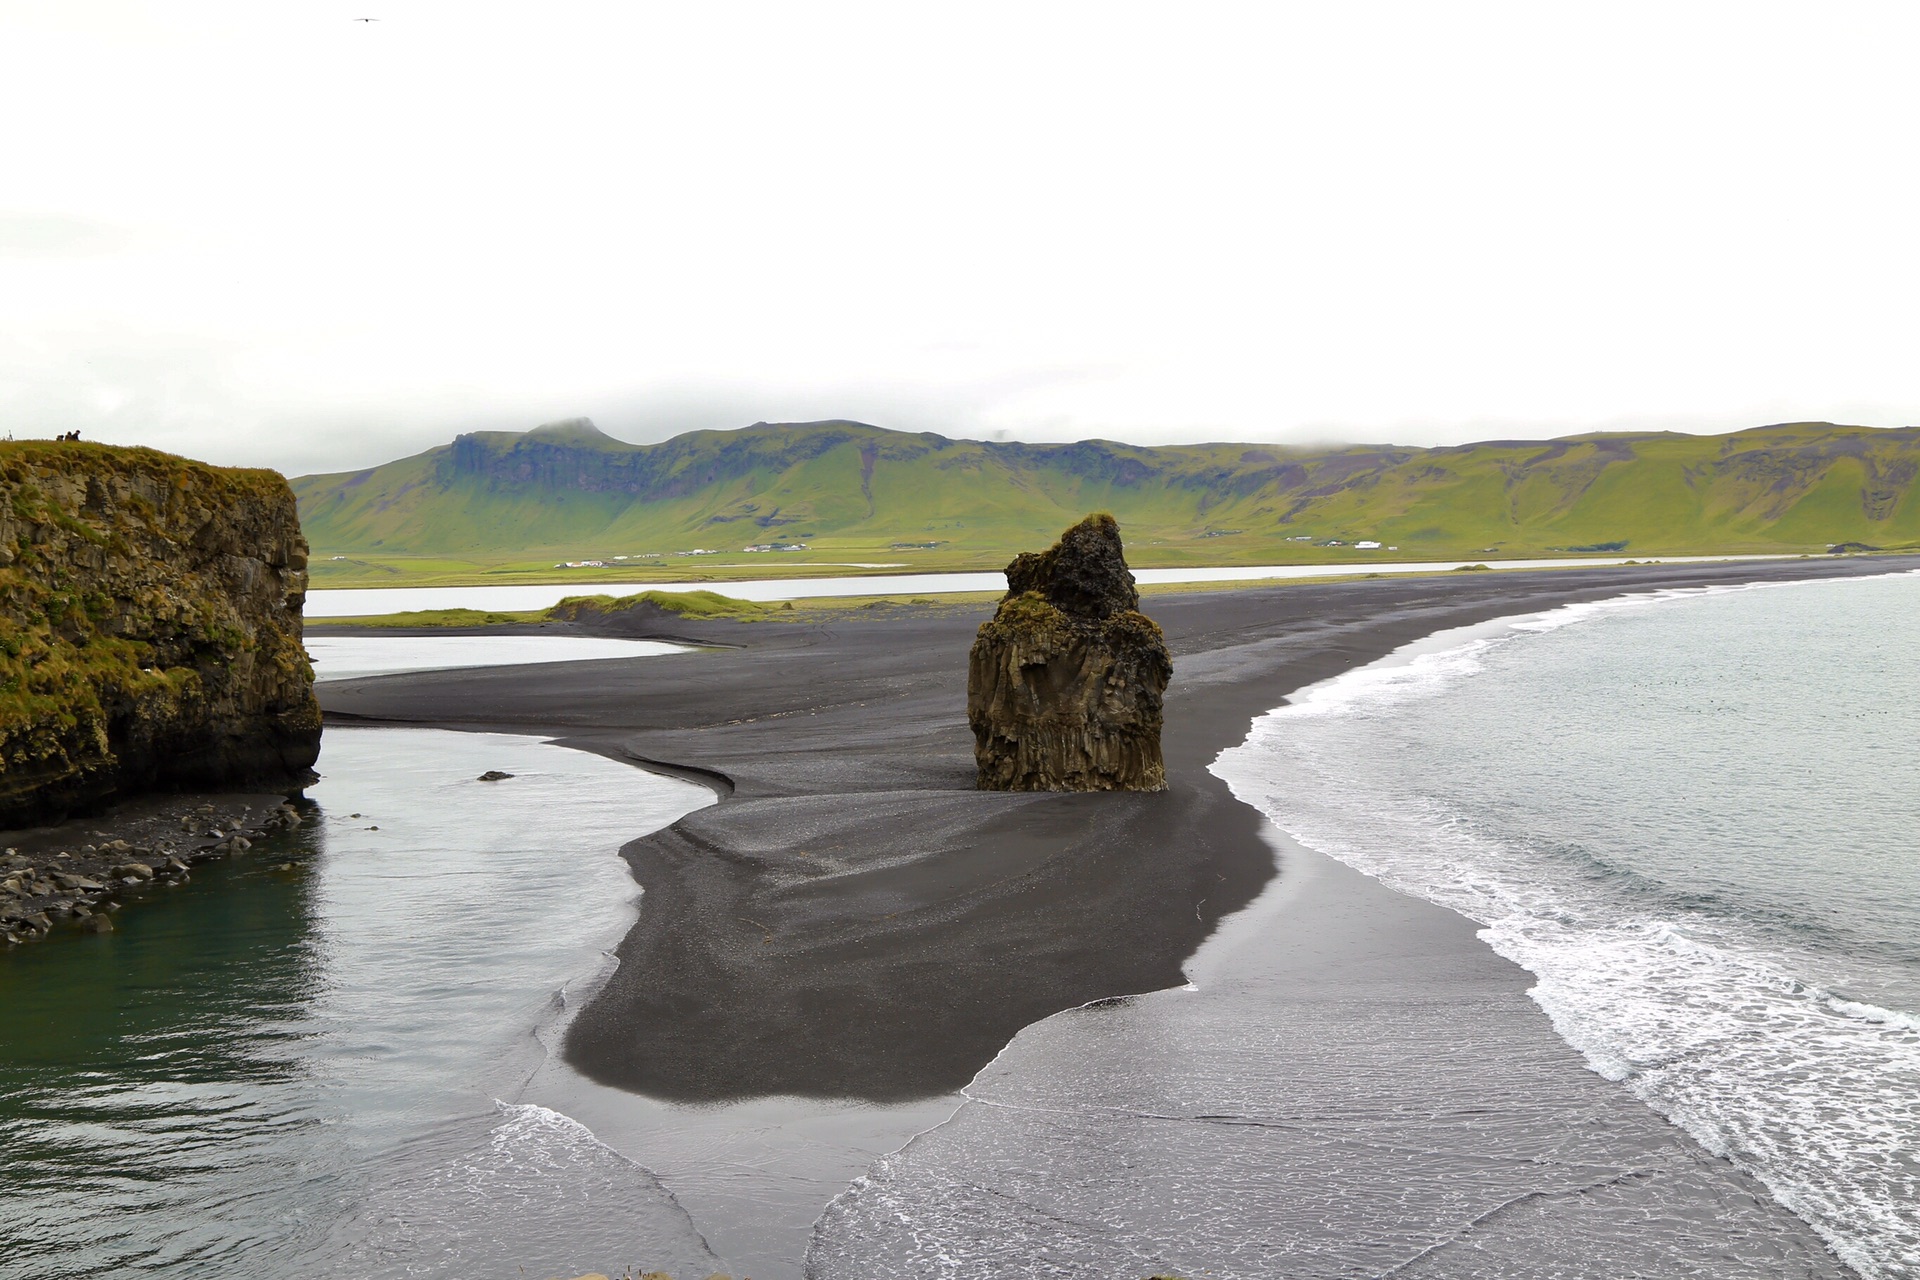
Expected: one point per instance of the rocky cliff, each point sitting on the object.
(150, 628)
(1064, 684)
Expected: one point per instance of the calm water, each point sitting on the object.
(363, 602)
(349, 657)
(1694, 817)
(317, 1070)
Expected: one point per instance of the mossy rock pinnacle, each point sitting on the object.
(1064, 684)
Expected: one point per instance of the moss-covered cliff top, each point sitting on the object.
(81, 458)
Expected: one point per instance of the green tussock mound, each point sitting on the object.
(685, 604)
(681, 604)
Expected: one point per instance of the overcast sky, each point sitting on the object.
(271, 234)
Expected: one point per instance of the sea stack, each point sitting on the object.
(150, 628)
(1064, 685)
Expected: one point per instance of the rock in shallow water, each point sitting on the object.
(1064, 685)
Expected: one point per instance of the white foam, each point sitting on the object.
(1816, 1094)
(1427, 666)
(538, 1189)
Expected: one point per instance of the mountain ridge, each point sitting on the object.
(568, 487)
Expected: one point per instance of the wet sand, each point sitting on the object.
(854, 921)
(1354, 1086)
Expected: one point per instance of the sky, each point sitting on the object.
(275, 235)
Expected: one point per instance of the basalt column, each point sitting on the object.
(1064, 685)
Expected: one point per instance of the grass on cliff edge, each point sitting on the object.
(73, 457)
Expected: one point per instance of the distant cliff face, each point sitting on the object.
(150, 630)
(568, 489)
(576, 455)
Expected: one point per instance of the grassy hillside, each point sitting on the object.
(505, 503)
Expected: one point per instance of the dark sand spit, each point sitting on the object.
(854, 920)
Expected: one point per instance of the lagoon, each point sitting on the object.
(311, 1060)
(370, 601)
(350, 657)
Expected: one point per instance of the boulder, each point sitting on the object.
(1064, 684)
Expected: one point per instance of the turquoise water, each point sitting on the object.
(318, 1070)
(1695, 817)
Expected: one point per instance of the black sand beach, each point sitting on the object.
(854, 920)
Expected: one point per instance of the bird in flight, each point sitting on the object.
(366, 19)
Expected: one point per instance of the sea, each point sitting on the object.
(1692, 818)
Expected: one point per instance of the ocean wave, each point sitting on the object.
(1703, 1013)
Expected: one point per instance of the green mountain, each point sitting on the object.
(567, 490)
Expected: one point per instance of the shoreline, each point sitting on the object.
(1413, 1113)
(1786, 1159)
(800, 945)
(836, 737)
(72, 874)
(1715, 1217)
